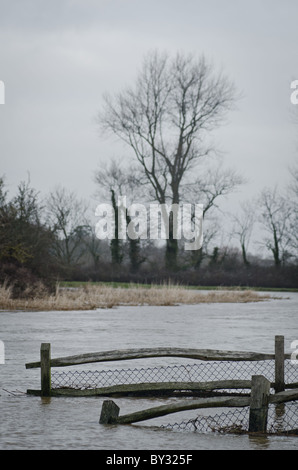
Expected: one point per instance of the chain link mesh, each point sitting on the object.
(281, 418)
(201, 371)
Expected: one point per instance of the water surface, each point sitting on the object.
(29, 422)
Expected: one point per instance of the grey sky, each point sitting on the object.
(58, 58)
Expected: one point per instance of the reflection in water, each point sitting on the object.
(279, 417)
(259, 441)
(45, 400)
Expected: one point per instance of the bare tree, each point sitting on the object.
(243, 226)
(275, 214)
(67, 216)
(292, 196)
(116, 180)
(208, 189)
(93, 244)
(166, 119)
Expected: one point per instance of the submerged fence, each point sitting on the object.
(219, 376)
(90, 382)
(281, 419)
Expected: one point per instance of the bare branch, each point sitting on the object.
(165, 117)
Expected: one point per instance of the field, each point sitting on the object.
(91, 296)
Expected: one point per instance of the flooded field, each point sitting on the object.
(29, 422)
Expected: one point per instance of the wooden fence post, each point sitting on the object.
(258, 412)
(279, 364)
(45, 369)
(109, 412)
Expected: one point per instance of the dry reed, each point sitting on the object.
(91, 297)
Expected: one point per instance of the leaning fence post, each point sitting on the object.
(258, 412)
(279, 364)
(45, 369)
(109, 412)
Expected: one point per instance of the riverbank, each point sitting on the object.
(126, 285)
(92, 296)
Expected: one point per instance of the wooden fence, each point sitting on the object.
(260, 387)
(258, 403)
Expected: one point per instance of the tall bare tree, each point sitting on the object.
(166, 119)
(275, 214)
(243, 226)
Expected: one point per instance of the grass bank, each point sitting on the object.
(126, 285)
(92, 296)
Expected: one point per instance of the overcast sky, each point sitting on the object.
(58, 57)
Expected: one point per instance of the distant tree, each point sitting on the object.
(67, 217)
(92, 244)
(292, 198)
(25, 240)
(3, 193)
(208, 189)
(243, 226)
(117, 180)
(275, 214)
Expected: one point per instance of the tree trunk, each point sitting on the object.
(197, 258)
(244, 255)
(115, 246)
(171, 247)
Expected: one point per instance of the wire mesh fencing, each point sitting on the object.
(282, 419)
(201, 371)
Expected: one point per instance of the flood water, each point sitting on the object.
(29, 422)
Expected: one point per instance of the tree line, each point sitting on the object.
(166, 119)
(54, 238)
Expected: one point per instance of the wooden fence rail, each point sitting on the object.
(46, 363)
(152, 388)
(128, 354)
(259, 386)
